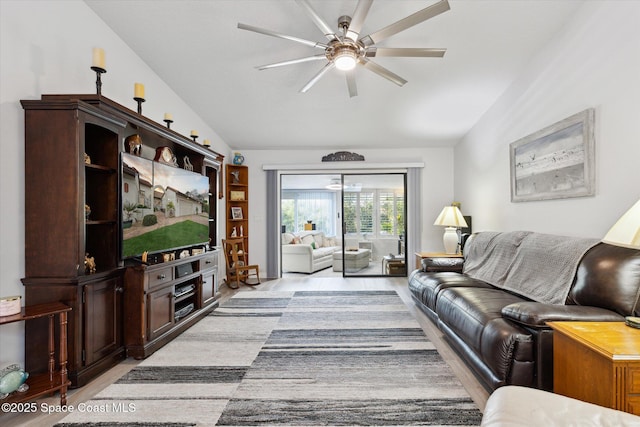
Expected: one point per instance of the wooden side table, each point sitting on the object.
(421, 255)
(53, 380)
(598, 362)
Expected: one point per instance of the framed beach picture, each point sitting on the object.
(556, 162)
(236, 213)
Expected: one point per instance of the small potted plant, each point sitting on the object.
(129, 209)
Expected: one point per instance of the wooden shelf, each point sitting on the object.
(237, 179)
(55, 379)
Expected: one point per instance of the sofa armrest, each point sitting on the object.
(297, 249)
(536, 314)
(442, 264)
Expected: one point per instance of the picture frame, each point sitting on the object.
(236, 212)
(556, 162)
(237, 195)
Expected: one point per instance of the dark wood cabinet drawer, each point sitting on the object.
(209, 261)
(160, 277)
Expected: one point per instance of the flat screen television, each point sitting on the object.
(164, 208)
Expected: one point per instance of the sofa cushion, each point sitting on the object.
(323, 252)
(467, 311)
(609, 277)
(307, 239)
(329, 241)
(426, 287)
(319, 240)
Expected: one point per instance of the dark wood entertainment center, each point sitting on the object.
(73, 195)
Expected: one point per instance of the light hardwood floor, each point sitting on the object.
(333, 282)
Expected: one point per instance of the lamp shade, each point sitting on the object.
(451, 217)
(626, 232)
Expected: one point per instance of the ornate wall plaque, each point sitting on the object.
(343, 156)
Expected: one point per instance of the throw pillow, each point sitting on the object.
(296, 240)
(313, 245)
(287, 238)
(308, 239)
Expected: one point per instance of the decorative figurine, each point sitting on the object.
(234, 232)
(187, 164)
(236, 176)
(89, 264)
(12, 378)
(133, 144)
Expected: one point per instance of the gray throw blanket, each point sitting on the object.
(537, 266)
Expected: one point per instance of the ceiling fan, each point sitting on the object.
(346, 49)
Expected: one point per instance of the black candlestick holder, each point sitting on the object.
(99, 72)
(194, 137)
(139, 101)
(168, 122)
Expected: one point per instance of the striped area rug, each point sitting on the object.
(291, 358)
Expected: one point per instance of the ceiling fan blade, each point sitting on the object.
(279, 35)
(381, 71)
(317, 77)
(351, 83)
(408, 22)
(320, 23)
(414, 52)
(362, 8)
(292, 62)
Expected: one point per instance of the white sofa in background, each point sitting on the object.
(307, 251)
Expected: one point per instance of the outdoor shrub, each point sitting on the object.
(149, 220)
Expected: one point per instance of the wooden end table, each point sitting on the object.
(53, 380)
(597, 362)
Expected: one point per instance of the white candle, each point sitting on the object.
(138, 90)
(206, 143)
(98, 58)
(168, 116)
(194, 133)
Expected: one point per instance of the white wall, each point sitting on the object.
(593, 62)
(437, 187)
(46, 48)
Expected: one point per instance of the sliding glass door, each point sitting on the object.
(354, 223)
(374, 224)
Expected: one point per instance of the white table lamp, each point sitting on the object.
(451, 218)
(626, 232)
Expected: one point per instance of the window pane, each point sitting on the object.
(366, 213)
(287, 214)
(299, 207)
(350, 203)
(387, 217)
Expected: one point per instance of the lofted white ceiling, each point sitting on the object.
(197, 49)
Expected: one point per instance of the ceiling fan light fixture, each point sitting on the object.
(345, 60)
(335, 184)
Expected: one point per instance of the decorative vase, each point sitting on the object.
(238, 159)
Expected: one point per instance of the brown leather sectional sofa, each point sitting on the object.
(502, 334)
